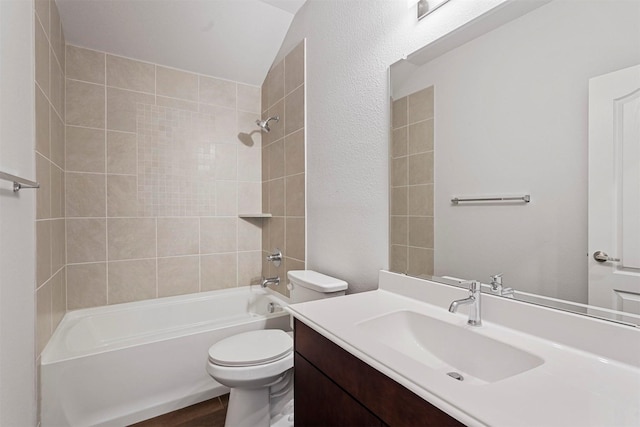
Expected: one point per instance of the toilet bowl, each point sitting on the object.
(258, 365)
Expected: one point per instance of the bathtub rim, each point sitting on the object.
(51, 356)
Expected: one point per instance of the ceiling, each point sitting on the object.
(230, 39)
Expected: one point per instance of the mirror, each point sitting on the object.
(500, 109)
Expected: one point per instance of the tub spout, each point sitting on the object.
(270, 281)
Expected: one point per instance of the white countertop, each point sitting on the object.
(573, 387)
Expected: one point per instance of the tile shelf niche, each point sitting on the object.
(254, 215)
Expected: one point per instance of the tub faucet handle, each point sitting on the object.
(275, 258)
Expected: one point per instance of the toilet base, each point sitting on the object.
(248, 408)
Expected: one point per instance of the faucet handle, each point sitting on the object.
(474, 285)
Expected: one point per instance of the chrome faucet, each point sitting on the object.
(474, 300)
(270, 281)
(497, 288)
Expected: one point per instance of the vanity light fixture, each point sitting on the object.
(425, 7)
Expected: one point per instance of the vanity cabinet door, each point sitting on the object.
(320, 402)
(389, 401)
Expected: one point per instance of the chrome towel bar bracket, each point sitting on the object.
(18, 183)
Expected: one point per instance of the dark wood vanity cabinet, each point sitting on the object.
(334, 388)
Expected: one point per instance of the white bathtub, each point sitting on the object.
(120, 364)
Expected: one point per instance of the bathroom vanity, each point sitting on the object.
(396, 356)
(334, 388)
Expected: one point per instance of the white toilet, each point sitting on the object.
(258, 365)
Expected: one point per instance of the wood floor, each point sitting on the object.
(210, 413)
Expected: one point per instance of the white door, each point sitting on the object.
(614, 190)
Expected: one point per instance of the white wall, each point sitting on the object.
(350, 45)
(17, 216)
(511, 118)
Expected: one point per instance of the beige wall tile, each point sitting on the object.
(226, 162)
(248, 98)
(226, 198)
(399, 201)
(42, 123)
(43, 317)
(43, 251)
(420, 261)
(58, 246)
(57, 140)
(56, 90)
(295, 198)
(178, 276)
(399, 227)
(295, 238)
(294, 153)
(249, 197)
(122, 195)
(265, 234)
(249, 268)
(86, 285)
(249, 163)
(42, 11)
(130, 74)
(276, 234)
(264, 102)
(265, 177)
(57, 192)
(131, 280)
(179, 104)
(421, 137)
(249, 234)
(218, 271)
(225, 129)
(122, 108)
(399, 142)
(294, 68)
(122, 153)
(421, 231)
(176, 84)
(276, 197)
(276, 159)
(178, 236)
(399, 258)
(85, 150)
(399, 174)
(217, 92)
(247, 125)
(85, 195)
(55, 33)
(43, 194)
(131, 238)
(41, 59)
(399, 113)
(275, 83)
(218, 235)
(85, 64)
(421, 168)
(86, 240)
(420, 199)
(84, 104)
(294, 111)
(420, 105)
(58, 297)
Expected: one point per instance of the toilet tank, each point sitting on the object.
(308, 285)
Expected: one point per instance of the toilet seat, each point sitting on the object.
(251, 348)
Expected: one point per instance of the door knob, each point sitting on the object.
(601, 256)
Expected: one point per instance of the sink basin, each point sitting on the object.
(452, 349)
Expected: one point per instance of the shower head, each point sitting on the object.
(264, 124)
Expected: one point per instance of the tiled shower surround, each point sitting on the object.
(412, 155)
(283, 165)
(50, 166)
(159, 162)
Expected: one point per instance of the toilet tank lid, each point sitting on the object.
(316, 281)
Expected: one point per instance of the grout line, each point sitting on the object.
(106, 201)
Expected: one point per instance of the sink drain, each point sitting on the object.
(455, 376)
